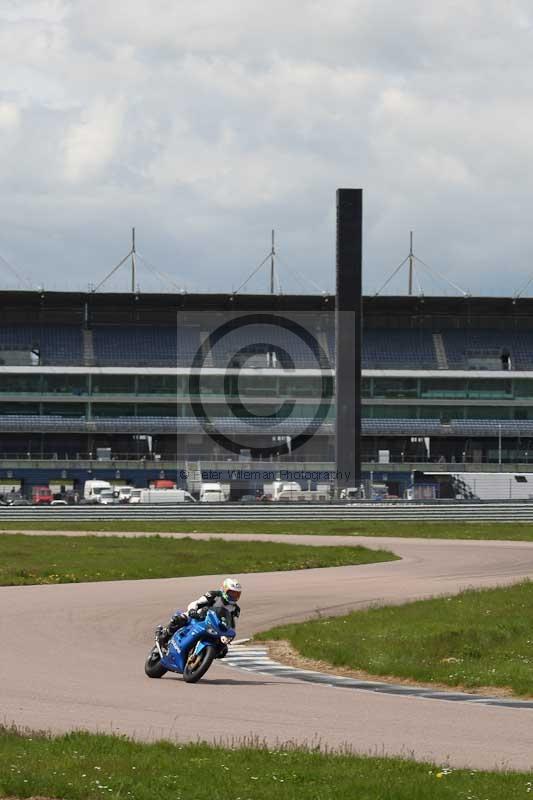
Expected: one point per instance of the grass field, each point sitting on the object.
(82, 766)
(61, 559)
(427, 530)
(474, 639)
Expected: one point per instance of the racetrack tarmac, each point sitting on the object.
(73, 655)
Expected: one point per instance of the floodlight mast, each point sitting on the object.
(133, 255)
(411, 259)
(274, 278)
(133, 260)
(272, 265)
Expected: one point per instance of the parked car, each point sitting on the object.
(17, 500)
(106, 497)
(123, 493)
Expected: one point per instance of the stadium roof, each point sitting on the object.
(416, 311)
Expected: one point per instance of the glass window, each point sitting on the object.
(211, 409)
(523, 388)
(251, 410)
(64, 409)
(15, 384)
(113, 384)
(489, 389)
(487, 412)
(65, 384)
(213, 385)
(258, 386)
(442, 388)
(160, 384)
(19, 408)
(443, 413)
(395, 387)
(305, 386)
(113, 410)
(394, 412)
(159, 409)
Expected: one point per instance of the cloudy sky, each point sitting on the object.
(207, 123)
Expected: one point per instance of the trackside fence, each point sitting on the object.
(438, 512)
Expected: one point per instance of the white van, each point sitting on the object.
(168, 496)
(212, 493)
(92, 489)
(282, 490)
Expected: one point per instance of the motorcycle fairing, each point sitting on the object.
(193, 635)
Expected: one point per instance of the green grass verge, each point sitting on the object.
(84, 766)
(62, 559)
(426, 530)
(474, 639)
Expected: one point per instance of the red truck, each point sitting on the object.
(41, 495)
(161, 483)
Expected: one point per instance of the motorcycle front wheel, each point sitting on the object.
(152, 665)
(197, 666)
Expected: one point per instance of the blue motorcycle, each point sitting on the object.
(193, 648)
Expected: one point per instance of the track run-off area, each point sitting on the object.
(73, 656)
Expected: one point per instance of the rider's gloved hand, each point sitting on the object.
(193, 614)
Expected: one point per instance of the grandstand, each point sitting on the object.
(446, 381)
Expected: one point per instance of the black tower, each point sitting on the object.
(348, 323)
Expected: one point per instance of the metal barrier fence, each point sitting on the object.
(437, 512)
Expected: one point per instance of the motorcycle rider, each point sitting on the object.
(223, 600)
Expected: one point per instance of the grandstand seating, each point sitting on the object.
(393, 349)
(260, 339)
(56, 344)
(167, 346)
(465, 348)
(144, 346)
(457, 427)
(228, 425)
(154, 424)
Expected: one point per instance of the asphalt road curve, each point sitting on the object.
(73, 655)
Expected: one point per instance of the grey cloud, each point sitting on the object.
(205, 125)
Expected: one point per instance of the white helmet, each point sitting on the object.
(231, 590)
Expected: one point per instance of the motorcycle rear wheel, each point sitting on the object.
(198, 671)
(152, 665)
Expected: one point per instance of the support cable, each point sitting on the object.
(518, 295)
(254, 272)
(112, 272)
(442, 277)
(415, 276)
(298, 275)
(21, 279)
(398, 268)
(159, 273)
